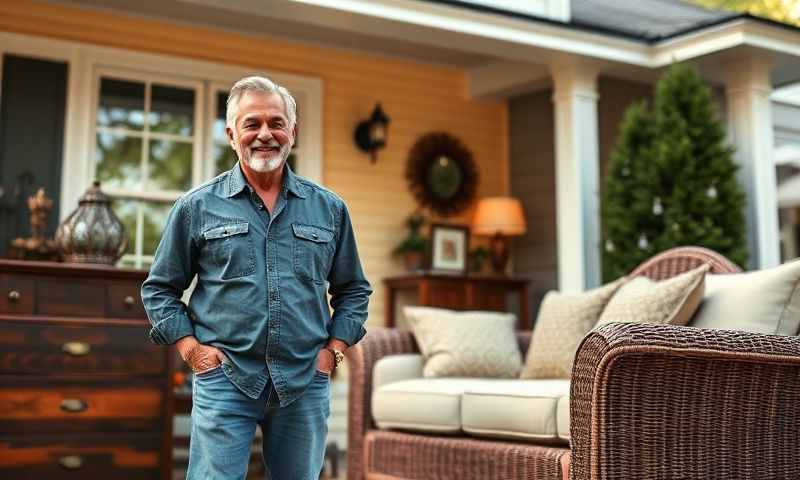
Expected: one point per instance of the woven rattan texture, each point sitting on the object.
(678, 260)
(378, 342)
(411, 456)
(660, 401)
(361, 358)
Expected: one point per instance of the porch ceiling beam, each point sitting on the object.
(505, 79)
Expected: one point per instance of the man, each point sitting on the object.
(258, 332)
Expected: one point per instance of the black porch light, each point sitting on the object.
(370, 134)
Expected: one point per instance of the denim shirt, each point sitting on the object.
(262, 280)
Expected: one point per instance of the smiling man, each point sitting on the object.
(266, 247)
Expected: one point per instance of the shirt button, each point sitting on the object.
(274, 295)
(270, 267)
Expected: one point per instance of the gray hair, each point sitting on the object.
(258, 84)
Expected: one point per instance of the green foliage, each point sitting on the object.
(414, 242)
(787, 11)
(671, 179)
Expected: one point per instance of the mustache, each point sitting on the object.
(271, 144)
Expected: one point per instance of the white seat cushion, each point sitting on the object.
(424, 404)
(517, 409)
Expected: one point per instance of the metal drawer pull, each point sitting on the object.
(73, 405)
(71, 462)
(76, 348)
(14, 295)
(129, 301)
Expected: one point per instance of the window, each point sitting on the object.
(152, 143)
(151, 126)
(147, 146)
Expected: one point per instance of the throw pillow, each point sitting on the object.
(465, 344)
(673, 300)
(764, 301)
(562, 322)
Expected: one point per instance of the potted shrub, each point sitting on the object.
(413, 247)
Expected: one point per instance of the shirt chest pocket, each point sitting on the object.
(312, 252)
(229, 248)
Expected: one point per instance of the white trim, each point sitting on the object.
(83, 58)
(577, 177)
(751, 131)
(509, 38)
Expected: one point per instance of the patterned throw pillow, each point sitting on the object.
(672, 301)
(562, 322)
(465, 344)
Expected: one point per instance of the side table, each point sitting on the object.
(459, 292)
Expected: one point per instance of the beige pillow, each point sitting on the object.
(764, 301)
(562, 322)
(672, 301)
(465, 344)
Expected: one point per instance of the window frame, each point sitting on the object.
(82, 60)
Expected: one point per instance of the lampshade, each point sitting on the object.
(501, 215)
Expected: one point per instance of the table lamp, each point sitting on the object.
(500, 218)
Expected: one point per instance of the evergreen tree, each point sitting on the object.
(671, 179)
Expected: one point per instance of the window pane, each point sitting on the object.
(125, 209)
(170, 165)
(121, 104)
(155, 217)
(118, 160)
(171, 110)
(224, 158)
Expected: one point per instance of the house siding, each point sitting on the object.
(419, 98)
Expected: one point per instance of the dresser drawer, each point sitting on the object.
(50, 348)
(85, 297)
(17, 294)
(68, 407)
(123, 300)
(129, 457)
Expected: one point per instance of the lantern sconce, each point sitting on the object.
(370, 134)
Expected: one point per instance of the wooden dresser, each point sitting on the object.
(83, 392)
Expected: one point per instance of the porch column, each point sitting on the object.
(577, 177)
(750, 130)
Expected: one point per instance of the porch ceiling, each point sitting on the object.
(502, 55)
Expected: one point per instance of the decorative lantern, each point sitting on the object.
(92, 233)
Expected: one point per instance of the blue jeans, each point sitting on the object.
(224, 423)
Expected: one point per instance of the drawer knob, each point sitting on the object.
(129, 301)
(14, 296)
(71, 462)
(76, 348)
(73, 405)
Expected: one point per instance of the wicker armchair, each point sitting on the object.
(647, 402)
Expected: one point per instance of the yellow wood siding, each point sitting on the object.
(419, 98)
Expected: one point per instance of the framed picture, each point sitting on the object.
(449, 247)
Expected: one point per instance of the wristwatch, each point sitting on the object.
(338, 356)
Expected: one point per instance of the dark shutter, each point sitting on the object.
(32, 114)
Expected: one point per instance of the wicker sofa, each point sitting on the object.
(646, 402)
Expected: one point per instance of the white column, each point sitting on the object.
(750, 130)
(577, 177)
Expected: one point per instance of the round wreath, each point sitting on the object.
(441, 173)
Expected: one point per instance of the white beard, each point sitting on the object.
(266, 165)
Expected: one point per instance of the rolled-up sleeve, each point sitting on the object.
(170, 275)
(349, 287)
